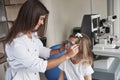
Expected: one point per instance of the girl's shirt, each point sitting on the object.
(75, 71)
(25, 58)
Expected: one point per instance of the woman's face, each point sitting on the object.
(40, 22)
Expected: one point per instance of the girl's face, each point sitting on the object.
(40, 22)
(72, 40)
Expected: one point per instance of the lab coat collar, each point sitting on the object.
(34, 35)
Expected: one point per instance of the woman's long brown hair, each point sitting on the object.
(27, 18)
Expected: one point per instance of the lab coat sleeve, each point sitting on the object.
(22, 59)
(44, 52)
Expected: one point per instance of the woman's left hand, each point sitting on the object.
(62, 48)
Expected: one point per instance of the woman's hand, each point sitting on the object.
(72, 51)
(55, 51)
(62, 48)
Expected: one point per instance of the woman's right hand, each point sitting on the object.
(72, 51)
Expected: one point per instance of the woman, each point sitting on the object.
(26, 55)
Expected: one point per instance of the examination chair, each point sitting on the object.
(53, 74)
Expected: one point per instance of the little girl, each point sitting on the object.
(79, 66)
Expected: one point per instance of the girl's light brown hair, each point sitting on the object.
(85, 48)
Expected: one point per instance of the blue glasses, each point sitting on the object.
(68, 43)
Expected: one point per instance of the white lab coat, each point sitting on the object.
(25, 58)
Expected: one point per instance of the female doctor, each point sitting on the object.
(26, 55)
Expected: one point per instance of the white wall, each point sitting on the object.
(67, 14)
(100, 7)
(117, 21)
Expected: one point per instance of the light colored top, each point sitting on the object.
(23, 57)
(75, 71)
